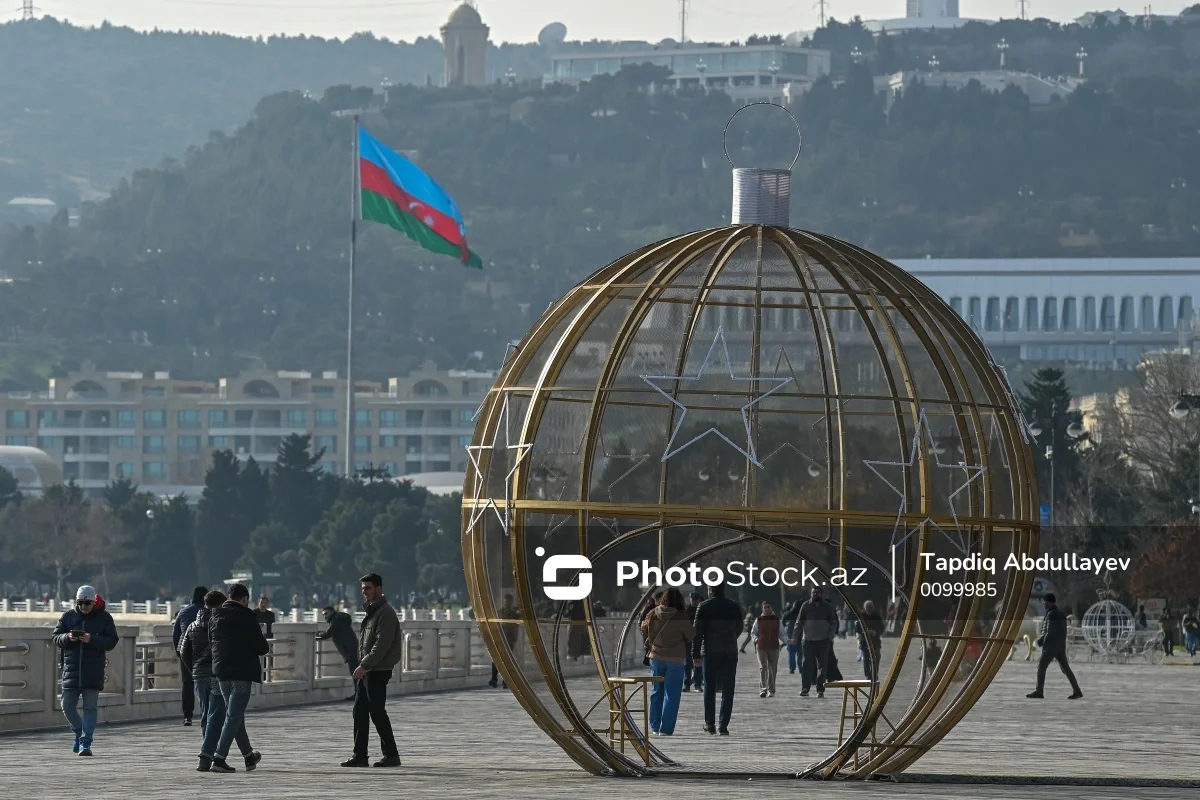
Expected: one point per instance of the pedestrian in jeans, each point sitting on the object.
(379, 648)
(186, 616)
(718, 623)
(195, 652)
(670, 635)
(237, 644)
(84, 635)
(1053, 641)
(795, 650)
(766, 646)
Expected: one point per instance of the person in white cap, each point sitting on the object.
(84, 634)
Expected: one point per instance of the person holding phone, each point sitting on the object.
(84, 635)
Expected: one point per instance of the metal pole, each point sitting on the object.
(1053, 454)
(354, 213)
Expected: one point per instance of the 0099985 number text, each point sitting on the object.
(958, 589)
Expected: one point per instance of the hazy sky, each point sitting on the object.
(520, 20)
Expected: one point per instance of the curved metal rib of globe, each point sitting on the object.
(884, 378)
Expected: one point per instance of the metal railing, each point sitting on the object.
(21, 649)
(146, 660)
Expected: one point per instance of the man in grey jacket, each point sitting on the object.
(818, 623)
(379, 648)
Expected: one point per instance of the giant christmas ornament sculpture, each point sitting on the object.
(762, 394)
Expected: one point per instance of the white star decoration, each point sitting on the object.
(522, 450)
(749, 451)
(973, 472)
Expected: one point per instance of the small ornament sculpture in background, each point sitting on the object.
(1108, 625)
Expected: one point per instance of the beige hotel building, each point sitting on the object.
(160, 432)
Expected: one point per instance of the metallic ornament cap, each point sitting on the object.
(762, 196)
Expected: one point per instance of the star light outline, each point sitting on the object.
(974, 471)
(750, 451)
(473, 451)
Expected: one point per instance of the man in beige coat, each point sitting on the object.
(379, 649)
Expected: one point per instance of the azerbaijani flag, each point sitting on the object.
(398, 194)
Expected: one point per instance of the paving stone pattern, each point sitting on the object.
(1135, 722)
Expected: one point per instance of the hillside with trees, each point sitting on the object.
(237, 251)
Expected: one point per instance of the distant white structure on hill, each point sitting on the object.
(923, 15)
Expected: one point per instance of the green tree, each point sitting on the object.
(296, 499)
(390, 546)
(1046, 403)
(221, 532)
(254, 496)
(10, 492)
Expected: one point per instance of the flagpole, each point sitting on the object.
(354, 214)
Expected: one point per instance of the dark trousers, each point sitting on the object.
(720, 673)
(1169, 642)
(189, 692)
(693, 672)
(816, 658)
(352, 662)
(1061, 657)
(370, 707)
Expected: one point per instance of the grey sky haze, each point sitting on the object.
(518, 20)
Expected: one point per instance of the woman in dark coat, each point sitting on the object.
(84, 635)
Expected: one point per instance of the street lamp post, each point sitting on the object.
(1081, 55)
(774, 70)
(934, 63)
(510, 75)
(856, 55)
(1074, 430)
(1003, 48)
(1180, 410)
(701, 67)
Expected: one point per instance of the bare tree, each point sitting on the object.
(1138, 421)
(52, 534)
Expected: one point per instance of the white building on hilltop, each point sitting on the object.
(922, 15)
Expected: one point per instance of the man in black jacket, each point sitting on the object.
(1053, 641)
(237, 643)
(84, 635)
(195, 653)
(186, 616)
(718, 623)
(341, 631)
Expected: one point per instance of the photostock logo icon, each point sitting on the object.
(551, 569)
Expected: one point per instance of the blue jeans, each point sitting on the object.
(227, 701)
(1193, 643)
(86, 726)
(795, 656)
(664, 697)
(204, 689)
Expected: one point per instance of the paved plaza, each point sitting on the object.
(1137, 724)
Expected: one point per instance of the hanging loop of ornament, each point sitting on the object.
(799, 135)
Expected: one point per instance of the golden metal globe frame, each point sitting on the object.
(577, 373)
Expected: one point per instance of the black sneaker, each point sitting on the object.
(85, 751)
(1075, 695)
(219, 765)
(493, 684)
(1035, 695)
(252, 759)
(388, 761)
(356, 762)
(820, 692)
(724, 731)
(205, 764)
(710, 730)
(804, 692)
(187, 722)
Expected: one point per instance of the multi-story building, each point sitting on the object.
(767, 72)
(161, 432)
(1040, 90)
